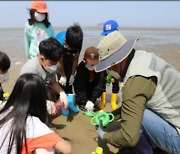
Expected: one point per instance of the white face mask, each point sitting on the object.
(4, 77)
(113, 73)
(51, 68)
(90, 68)
(39, 16)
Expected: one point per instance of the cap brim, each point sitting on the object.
(43, 11)
(116, 57)
(92, 61)
(105, 33)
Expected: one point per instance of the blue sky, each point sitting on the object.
(90, 13)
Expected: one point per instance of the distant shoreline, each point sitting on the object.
(100, 27)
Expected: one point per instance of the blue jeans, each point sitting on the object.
(160, 133)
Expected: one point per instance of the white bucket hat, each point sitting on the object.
(113, 49)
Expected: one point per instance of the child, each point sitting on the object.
(4, 75)
(71, 40)
(110, 26)
(22, 120)
(88, 84)
(37, 28)
(45, 65)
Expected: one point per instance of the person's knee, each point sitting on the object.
(148, 117)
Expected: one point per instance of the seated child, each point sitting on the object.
(88, 84)
(23, 118)
(45, 65)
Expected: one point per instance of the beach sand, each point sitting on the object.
(82, 134)
(77, 128)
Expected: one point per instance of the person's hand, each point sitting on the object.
(63, 99)
(52, 108)
(89, 106)
(120, 104)
(63, 80)
(71, 80)
(100, 130)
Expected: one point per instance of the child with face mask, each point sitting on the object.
(88, 84)
(37, 28)
(4, 75)
(45, 65)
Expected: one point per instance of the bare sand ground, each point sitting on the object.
(77, 127)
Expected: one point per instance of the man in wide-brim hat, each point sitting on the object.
(150, 111)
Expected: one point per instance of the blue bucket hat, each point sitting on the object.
(109, 26)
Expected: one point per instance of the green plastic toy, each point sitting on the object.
(109, 79)
(89, 113)
(105, 117)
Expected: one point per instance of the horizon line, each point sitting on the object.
(100, 27)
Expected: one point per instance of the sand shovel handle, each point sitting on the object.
(92, 121)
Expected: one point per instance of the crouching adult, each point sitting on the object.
(150, 112)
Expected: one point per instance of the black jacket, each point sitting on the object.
(84, 88)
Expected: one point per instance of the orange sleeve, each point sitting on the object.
(47, 141)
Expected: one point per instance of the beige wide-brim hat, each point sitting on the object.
(113, 49)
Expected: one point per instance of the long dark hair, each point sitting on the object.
(28, 98)
(32, 19)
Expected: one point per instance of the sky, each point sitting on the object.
(90, 13)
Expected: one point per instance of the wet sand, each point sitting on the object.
(77, 127)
